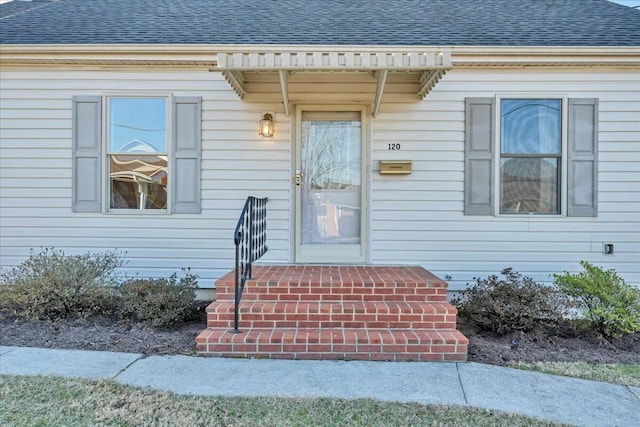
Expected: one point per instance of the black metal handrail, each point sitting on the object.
(250, 238)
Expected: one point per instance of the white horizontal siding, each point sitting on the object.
(35, 209)
(419, 218)
(415, 219)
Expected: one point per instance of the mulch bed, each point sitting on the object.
(101, 334)
(109, 334)
(543, 346)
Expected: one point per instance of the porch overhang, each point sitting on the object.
(429, 65)
(414, 68)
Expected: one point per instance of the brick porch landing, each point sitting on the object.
(335, 312)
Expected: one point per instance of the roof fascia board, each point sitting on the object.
(204, 56)
(109, 55)
(483, 56)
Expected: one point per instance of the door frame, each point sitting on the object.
(362, 256)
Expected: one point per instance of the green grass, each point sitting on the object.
(56, 401)
(612, 373)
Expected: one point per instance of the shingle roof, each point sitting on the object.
(14, 7)
(324, 22)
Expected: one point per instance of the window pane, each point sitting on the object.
(331, 191)
(138, 182)
(529, 185)
(531, 126)
(331, 152)
(137, 125)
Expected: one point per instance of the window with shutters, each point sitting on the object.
(530, 156)
(137, 153)
(542, 160)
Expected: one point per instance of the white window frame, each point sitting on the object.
(106, 187)
(564, 178)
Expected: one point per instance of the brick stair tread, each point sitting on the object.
(346, 344)
(333, 336)
(339, 293)
(328, 283)
(334, 276)
(390, 297)
(317, 314)
(322, 283)
(319, 307)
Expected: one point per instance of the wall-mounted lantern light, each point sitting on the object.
(266, 125)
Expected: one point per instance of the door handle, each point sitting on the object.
(299, 176)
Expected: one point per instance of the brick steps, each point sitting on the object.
(335, 343)
(317, 314)
(317, 283)
(328, 312)
(339, 293)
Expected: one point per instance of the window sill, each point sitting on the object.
(530, 215)
(137, 212)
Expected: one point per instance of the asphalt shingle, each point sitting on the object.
(15, 7)
(325, 22)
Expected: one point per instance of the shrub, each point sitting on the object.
(51, 285)
(511, 303)
(610, 305)
(159, 302)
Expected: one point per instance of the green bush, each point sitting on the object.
(159, 302)
(51, 285)
(511, 303)
(610, 305)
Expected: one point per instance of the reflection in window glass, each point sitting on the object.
(138, 153)
(531, 126)
(333, 158)
(137, 125)
(529, 185)
(331, 190)
(531, 148)
(138, 182)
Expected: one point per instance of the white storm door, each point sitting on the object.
(330, 186)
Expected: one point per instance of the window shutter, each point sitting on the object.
(186, 154)
(479, 160)
(583, 157)
(87, 153)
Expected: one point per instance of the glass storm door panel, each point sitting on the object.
(329, 187)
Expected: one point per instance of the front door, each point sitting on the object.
(330, 185)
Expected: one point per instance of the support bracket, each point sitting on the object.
(382, 78)
(284, 89)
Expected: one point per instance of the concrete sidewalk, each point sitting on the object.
(567, 400)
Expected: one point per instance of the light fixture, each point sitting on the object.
(266, 125)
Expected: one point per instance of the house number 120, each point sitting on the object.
(394, 147)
